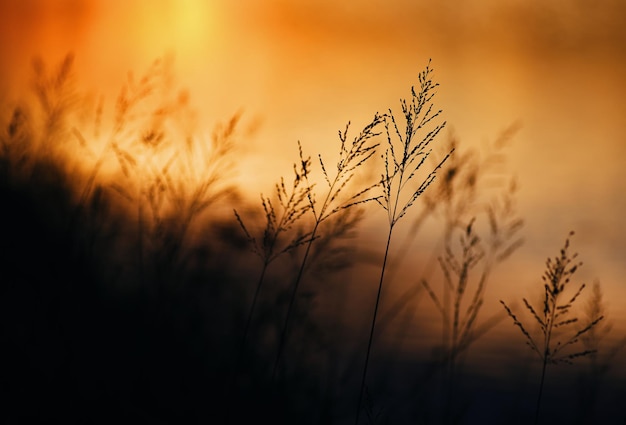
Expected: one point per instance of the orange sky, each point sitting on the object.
(303, 68)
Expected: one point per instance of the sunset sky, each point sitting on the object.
(301, 69)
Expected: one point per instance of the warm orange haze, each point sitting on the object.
(533, 96)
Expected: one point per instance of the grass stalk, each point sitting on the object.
(401, 169)
(554, 315)
(373, 326)
(292, 298)
(540, 392)
(352, 156)
(294, 204)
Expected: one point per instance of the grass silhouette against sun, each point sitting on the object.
(128, 286)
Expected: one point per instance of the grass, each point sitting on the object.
(131, 292)
(556, 315)
(293, 203)
(467, 266)
(400, 170)
(351, 156)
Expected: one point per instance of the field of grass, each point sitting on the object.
(140, 284)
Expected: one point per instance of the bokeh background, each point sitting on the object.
(300, 70)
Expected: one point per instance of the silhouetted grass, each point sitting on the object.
(279, 222)
(352, 156)
(400, 169)
(555, 316)
(125, 279)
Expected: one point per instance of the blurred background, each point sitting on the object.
(302, 70)
(551, 74)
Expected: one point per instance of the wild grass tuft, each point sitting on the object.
(467, 268)
(293, 204)
(338, 197)
(555, 317)
(403, 161)
(461, 196)
(144, 208)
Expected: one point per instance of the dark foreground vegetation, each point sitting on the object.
(138, 285)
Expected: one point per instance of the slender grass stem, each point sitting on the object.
(546, 356)
(350, 159)
(255, 298)
(400, 167)
(556, 314)
(294, 205)
(543, 376)
(372, 328)
(242, 346)
(294, 291)
(292, 299)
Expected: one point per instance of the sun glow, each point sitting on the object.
(164, 146)
(186, 26)
(193, 22)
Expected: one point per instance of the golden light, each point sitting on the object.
(169, 134)
(193, 23)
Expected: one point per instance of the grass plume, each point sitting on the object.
(556, 315)
(403, 161)
(293, 204)
(99, 197)
(353, 155)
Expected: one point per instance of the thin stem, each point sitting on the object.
(395, 182)
(371, 337)
(283, 334)
(408, 240)
(245, 337)
(543, 375)
(318, 219)
(251, 312)
(546, 355)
